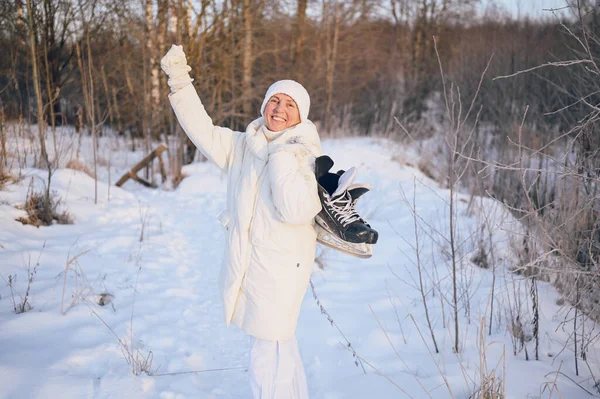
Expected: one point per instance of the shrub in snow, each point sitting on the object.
(42, 210)
(480, 257)
(491, 388)
(6, 178)
(78, 164)
(22, 304)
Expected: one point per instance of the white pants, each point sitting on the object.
(276, 370)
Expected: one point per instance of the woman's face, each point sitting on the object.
(281, 112)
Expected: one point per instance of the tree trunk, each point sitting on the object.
(331, 49)
(3, 154)
(161, 86)
(111, 115)
(299, 42)
(117, 111)
(189, 149)
(49, 39)
(20, 12)
(38, 90)
(247, 60)
(149, 62)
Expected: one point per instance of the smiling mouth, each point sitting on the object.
(277, 119)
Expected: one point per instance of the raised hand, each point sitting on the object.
(174, 64)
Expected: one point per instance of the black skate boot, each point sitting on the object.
(338, 224)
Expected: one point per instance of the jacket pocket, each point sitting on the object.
(282, 270)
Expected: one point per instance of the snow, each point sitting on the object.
(157, 253)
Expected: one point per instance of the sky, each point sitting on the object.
(532, 8)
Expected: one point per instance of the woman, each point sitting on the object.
(271, 204)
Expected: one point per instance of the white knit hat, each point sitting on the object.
(292, 89)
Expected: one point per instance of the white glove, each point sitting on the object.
(175, 66)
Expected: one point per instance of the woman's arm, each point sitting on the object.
(294, 186)
(215, 142)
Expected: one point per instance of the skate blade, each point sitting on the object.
(363, 251)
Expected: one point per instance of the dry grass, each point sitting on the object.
(491, 380)
(42, 210)
(6, 178)
(480, 257)
(357, 359)
(427, 168)
(22, 303)
(492, 387)
(139, 362)
(82, 286)
(78, 164)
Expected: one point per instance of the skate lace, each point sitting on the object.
(344, 210)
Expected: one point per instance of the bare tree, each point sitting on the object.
(332, 31)
(87, 83)
(247, 57)
(300, 38)
(38, 95)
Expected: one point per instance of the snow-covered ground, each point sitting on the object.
(153, 257)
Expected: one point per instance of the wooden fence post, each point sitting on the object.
(132, 173)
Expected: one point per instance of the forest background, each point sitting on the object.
(363, 62)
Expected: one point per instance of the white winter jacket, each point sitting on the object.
(271, 204)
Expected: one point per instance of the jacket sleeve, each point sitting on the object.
(215, 142)
(294, 187)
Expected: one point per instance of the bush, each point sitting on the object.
(22, 303)
(42, 210)
(6, 178)
(77, 164)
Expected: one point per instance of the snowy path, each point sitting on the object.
(178, 315)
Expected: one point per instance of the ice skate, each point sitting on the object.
(339, 225)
